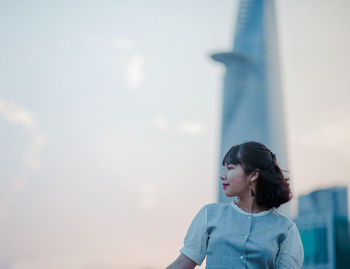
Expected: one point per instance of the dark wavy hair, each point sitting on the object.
(272, 189)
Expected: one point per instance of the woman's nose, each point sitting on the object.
(222, 176)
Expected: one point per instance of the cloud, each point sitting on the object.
(122, 43)
(162, 123)
(134, 73)
(191, 128)
(16, 114)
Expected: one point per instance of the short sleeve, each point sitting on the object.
(195, 243)
(291, 254)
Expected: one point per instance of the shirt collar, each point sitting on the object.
(236, 207)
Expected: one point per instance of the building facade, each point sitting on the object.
(324, 229)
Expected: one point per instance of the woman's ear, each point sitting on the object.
(254, 175)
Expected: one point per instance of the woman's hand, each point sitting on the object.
(182, 262)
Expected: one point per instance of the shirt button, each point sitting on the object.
(241, 257)
(245, 236)
(248, 217)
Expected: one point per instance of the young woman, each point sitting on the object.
(249, 232)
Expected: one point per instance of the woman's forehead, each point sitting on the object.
(232, 161)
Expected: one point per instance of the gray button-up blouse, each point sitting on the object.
(231, 238)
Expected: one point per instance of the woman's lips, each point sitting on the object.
(224, 186)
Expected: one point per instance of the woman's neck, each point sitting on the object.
(249, 205)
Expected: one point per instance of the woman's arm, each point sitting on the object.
(195, 243)
(291, 254)
(182, 262)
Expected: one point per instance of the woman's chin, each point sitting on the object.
(227, 194)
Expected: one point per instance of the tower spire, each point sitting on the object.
(252, 105)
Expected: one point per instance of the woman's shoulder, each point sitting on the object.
(217, 205)
(282, 219)
(216, 209)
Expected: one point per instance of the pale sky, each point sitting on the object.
(110, 115)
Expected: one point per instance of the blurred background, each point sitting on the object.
(110, 122)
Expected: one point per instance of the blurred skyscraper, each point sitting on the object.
(324, 229)
(252, 106)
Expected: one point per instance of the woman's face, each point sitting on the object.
(234, 180)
